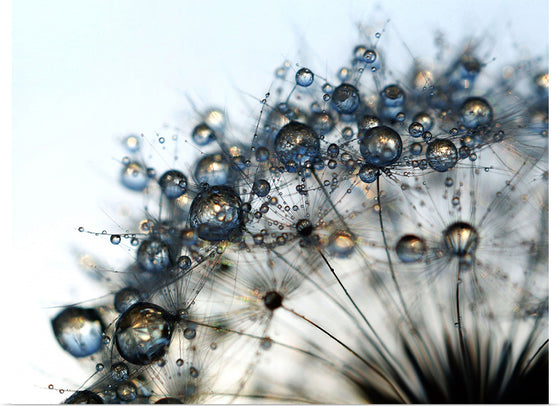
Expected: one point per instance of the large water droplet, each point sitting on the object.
(134, 176)
(381, 146)
(143, 333)
(475, 112)
(173, 184)
(153, 256)
(441, 155)
(341, 244)
(79, 331)
(460, 239)
(125, 298)
(410, 248)
(216, 214)
(346, 98)
(298, 143)
(202, 134)
(304, 77)
(214, 169)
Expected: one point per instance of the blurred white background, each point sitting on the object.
(86, 73)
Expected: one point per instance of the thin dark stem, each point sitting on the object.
(458, 313)
(349, 349)
(539, 350)
(391, 269)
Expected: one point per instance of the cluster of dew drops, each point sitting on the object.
(308, 172)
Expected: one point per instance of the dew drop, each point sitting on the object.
(173, 184)
(460, 239)
(475, 112)
(202, 134)
(297, 143)
(79, 331)
(153, 256)
(134, 176)
(216, 214)
(143, 333)
(410, 248)
(346, 98)
(416, 129)
(441, 155)
(304, 77)
(381, 146)
(261, 188)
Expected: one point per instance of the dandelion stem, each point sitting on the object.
(349, 349)
(534, 356)
(393, 275)
(458, 311)
(357, 308)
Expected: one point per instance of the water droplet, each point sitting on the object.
(475, 112)
(368, 173)
(369, 56)
(202, 134)
(193, 372)
(83, 397)
(115, 239)
(333, 150)
(189, 333)
(132, 143)
(392, 96)
(125, 298)
(214, 169)
(79, 331)
(346, 98)
(441, 155)
(415, 148)
(297, 143)
(344, 74)
(410, 248)
(126, 391)
(262, 154)
(266, 343)
(143, 333)
(381, 146)
(216, 214)
(153, 256)
(119, 372)
(427, 136)
(425, 120)
(184, 263)
(341, 244)
(304, 77)
(261, 188)
(460, 239)
(416, 129)
(173, 184)
(134, 176)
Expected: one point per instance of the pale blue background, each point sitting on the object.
(85, 73)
